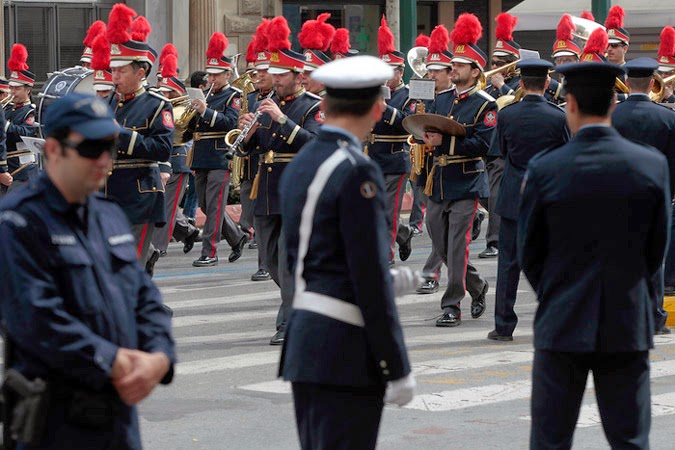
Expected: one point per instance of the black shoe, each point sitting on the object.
(261, 275)
(428, 287)
(417, 231)
(490, 252)
(189, 241)
(478, 303)
(162, 253)
(669, 291)
(477, 221)
(663, 330)
(498, 337)
(405, 249)
(449, 320)
(237, 249)
(191, 220)
(150, 263)
(253, 245)
(205, 261)
(278, 338)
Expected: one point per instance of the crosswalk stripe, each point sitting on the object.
(210, 319)
(228, 363)
(662, 405)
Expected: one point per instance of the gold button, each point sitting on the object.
(257, 147)
(269, 169)
(456, 101)
(385, 372)
(383, 364)
(452, 117)
(283, 103)
(133, 128)
(120, 104)
(154, 188)
(110, 173)
(274, 135)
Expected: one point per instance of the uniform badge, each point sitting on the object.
(236, 103)
(30, 120)
(167, 119)
(413, 105)
(320, 117)
(368, 190)
(490, 119)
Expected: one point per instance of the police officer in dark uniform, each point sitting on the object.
(217, 116)
(457, 178)
(641, 120)
(20, 121)
(525, 128)
(146, 136)
(288, 121)
(595, 302)
(344, 351)
(387, 144)
(79, 313)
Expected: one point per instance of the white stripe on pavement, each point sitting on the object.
(228, 363)
(209, 319)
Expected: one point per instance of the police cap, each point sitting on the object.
(534, 67)
(86, 114)
(356, 77)
(590, 74)
(641, 67)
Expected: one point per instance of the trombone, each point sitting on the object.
(488, 74)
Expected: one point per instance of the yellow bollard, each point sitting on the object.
(669, 305)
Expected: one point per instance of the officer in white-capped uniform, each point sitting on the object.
(344, 351)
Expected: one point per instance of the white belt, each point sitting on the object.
(330, 307)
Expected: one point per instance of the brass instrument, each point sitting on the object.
(417, 151)
(187, 113)
(658, 89)
(584, 28)
(417, 58)
(484, 76)
(6, 101)
(180, 104)
(620, 86)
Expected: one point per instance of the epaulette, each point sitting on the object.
(314, 96)
(237, 89)
(509, 105)
(485, 95)
(159, 96)
(558, 107)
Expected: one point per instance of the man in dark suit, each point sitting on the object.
(641, 120)
(593, 278)
(343, 348)
(524, 129)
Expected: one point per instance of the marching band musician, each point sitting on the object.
(94, 30)
(505, 52)
(209, 158)
(5, 177)
(289, 120)
(315, 38)
(666, 58)
(146, 134)
(525, 128)
(458, 178)
(340, 45)
(387, 144)
(619, 38)
(4, 90)
(643, 121)
(176, 224)
(100, 64)
(19, 121)
(565, 48)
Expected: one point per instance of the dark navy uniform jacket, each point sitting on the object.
(20, 121)
(641, 120)
(75, 294)
(3, 143)
(465, 177)
(145, 139)
(593, 277)
(221, 115)
(179, 154)
(525, 129)
(251, 160)
(336, 233)
(277, 144)
(386, 144)
(554, 92)
(509, 88)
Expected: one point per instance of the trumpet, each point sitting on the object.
(658, 89)
(6, 101)
(234, 138)
(488, 74)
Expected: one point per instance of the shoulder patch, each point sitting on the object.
(490, 119)
(485, 95)
(236, 103)
(320, 116)
(167, 119)
(30, 119)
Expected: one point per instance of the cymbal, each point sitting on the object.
(418, 124)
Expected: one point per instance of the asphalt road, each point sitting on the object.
(472, 393)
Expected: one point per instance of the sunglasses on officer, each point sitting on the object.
(92, 148)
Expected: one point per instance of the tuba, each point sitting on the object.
(417, 57)
(183, 113)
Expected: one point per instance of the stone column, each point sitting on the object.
(203, 23)
(392, 11)
(4, 33)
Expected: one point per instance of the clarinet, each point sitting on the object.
(244, 132)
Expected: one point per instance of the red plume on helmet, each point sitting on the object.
(615, 17)
(423, 40)
(217, 45)
(119, 22)
(278, 33)
(587, 15)
(168, 49)
(18, 58)
(467, 30)
(251, 55)
(440, 39)
(565, 28)
(340, 42)
(170, 66)
(505, 25)
(316, 34)
(140, 29)
(667, 46)
(100, 59)
(261, 39)
(597, 42)
(385, 38)
(94, 30)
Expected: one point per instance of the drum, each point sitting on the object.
(60, 83)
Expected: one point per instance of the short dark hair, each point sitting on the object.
(60, 134)
(141, 65)
(639, 84)
(357, 107)
(592, 100)
(198, 78)
(534, 83)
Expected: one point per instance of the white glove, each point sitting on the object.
(400, 391)
(405, 280)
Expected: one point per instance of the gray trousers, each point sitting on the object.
(449, 224)
(399, 232)
(273, 251)
(246, 219)
(143, 235)
(230, 231)
(495, 169)
(173, 193)
(213, 187)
